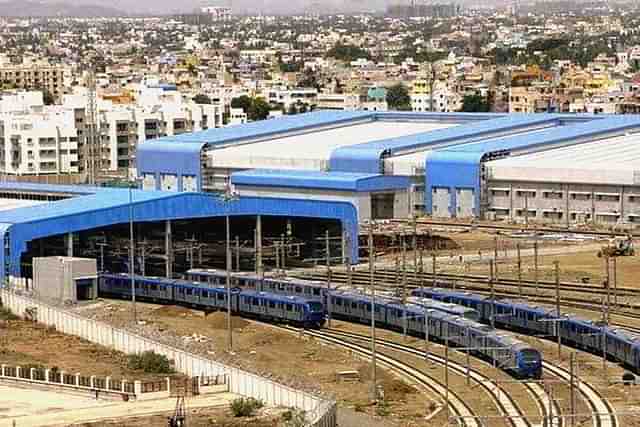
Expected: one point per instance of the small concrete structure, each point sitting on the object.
(65, 278)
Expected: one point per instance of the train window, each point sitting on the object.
(154, 287)
(189, 291)
(281, 287)
(298, 289)
(336, 301)
(255, 301)
(220, 296)
(368, 307)
(354, 305)
(205, 294)
(272, 304)
(316, 291)
(296, 308)
(289, 307)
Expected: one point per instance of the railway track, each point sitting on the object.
(481, 226)
(603, 413)
(457, 406)
(506, 404)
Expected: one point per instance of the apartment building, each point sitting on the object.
(38, 143)
(33, 77)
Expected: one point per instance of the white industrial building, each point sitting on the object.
(596, 181)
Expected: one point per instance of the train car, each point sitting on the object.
(210, 276)
(445, 307)
(356, 307)
(281, 308)
(155, 289)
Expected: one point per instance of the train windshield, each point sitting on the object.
(316, 307)
(530, 356)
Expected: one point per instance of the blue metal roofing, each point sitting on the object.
(111, 206)
(367, 157)
(341, 181)
(458, 167)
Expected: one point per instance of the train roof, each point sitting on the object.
(440, 305)
(278, 297)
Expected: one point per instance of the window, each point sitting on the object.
(272, 304)
(289, 307)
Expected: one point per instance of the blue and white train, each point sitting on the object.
(619, 344)
(508, 353)
(250, 303)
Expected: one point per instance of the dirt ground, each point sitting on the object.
(25, 343)
(201, 417)
(295, 360)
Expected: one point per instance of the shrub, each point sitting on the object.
(245, 407)
(150, 362)
(294, 418)
(6, 314)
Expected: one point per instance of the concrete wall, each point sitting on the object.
(362, 201)
(53, 277)
(320, 412)
(564, 202)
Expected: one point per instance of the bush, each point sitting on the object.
(294, 418)
(6, 314)
(150, 362)
(245, 407)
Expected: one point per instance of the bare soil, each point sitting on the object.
(24, 343)
(296, 360)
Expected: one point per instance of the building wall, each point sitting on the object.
(53, 277)
(564, 202)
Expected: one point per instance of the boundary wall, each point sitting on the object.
(320, 412)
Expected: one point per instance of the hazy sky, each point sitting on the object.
(244, 6)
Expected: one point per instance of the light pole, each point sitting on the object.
(131, 254)
(228, 253)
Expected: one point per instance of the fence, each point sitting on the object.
(321, 412)
(76, 382)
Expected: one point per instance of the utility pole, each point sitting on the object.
(446, 374)
(237, 253)
(228, 255)
(374, 386)
(132, 256)
(519, 270)
(404, 287)
(415, 249)
(427, 312)
(348, 260)
(615, 280)
(328, 262)
(556, 265)
(608, 287)
(283, 253)
(573, 389)
(535, 263)
(433, 269)
(101, 245)
(493, 295)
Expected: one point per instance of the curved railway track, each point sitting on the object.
(505, 403)
(457, 406)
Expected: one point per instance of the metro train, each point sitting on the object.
(619, 344)
(310, 289)
(509, 353)
(250, 303)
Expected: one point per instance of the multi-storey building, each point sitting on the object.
(33, 77)
(38, 143)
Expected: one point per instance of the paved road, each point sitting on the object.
(31, 408)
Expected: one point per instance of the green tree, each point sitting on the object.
(47, 97)
(243, 102)
(347, 53)
(259, 109)
(475, 104)
(201, 98)
(398, 97)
